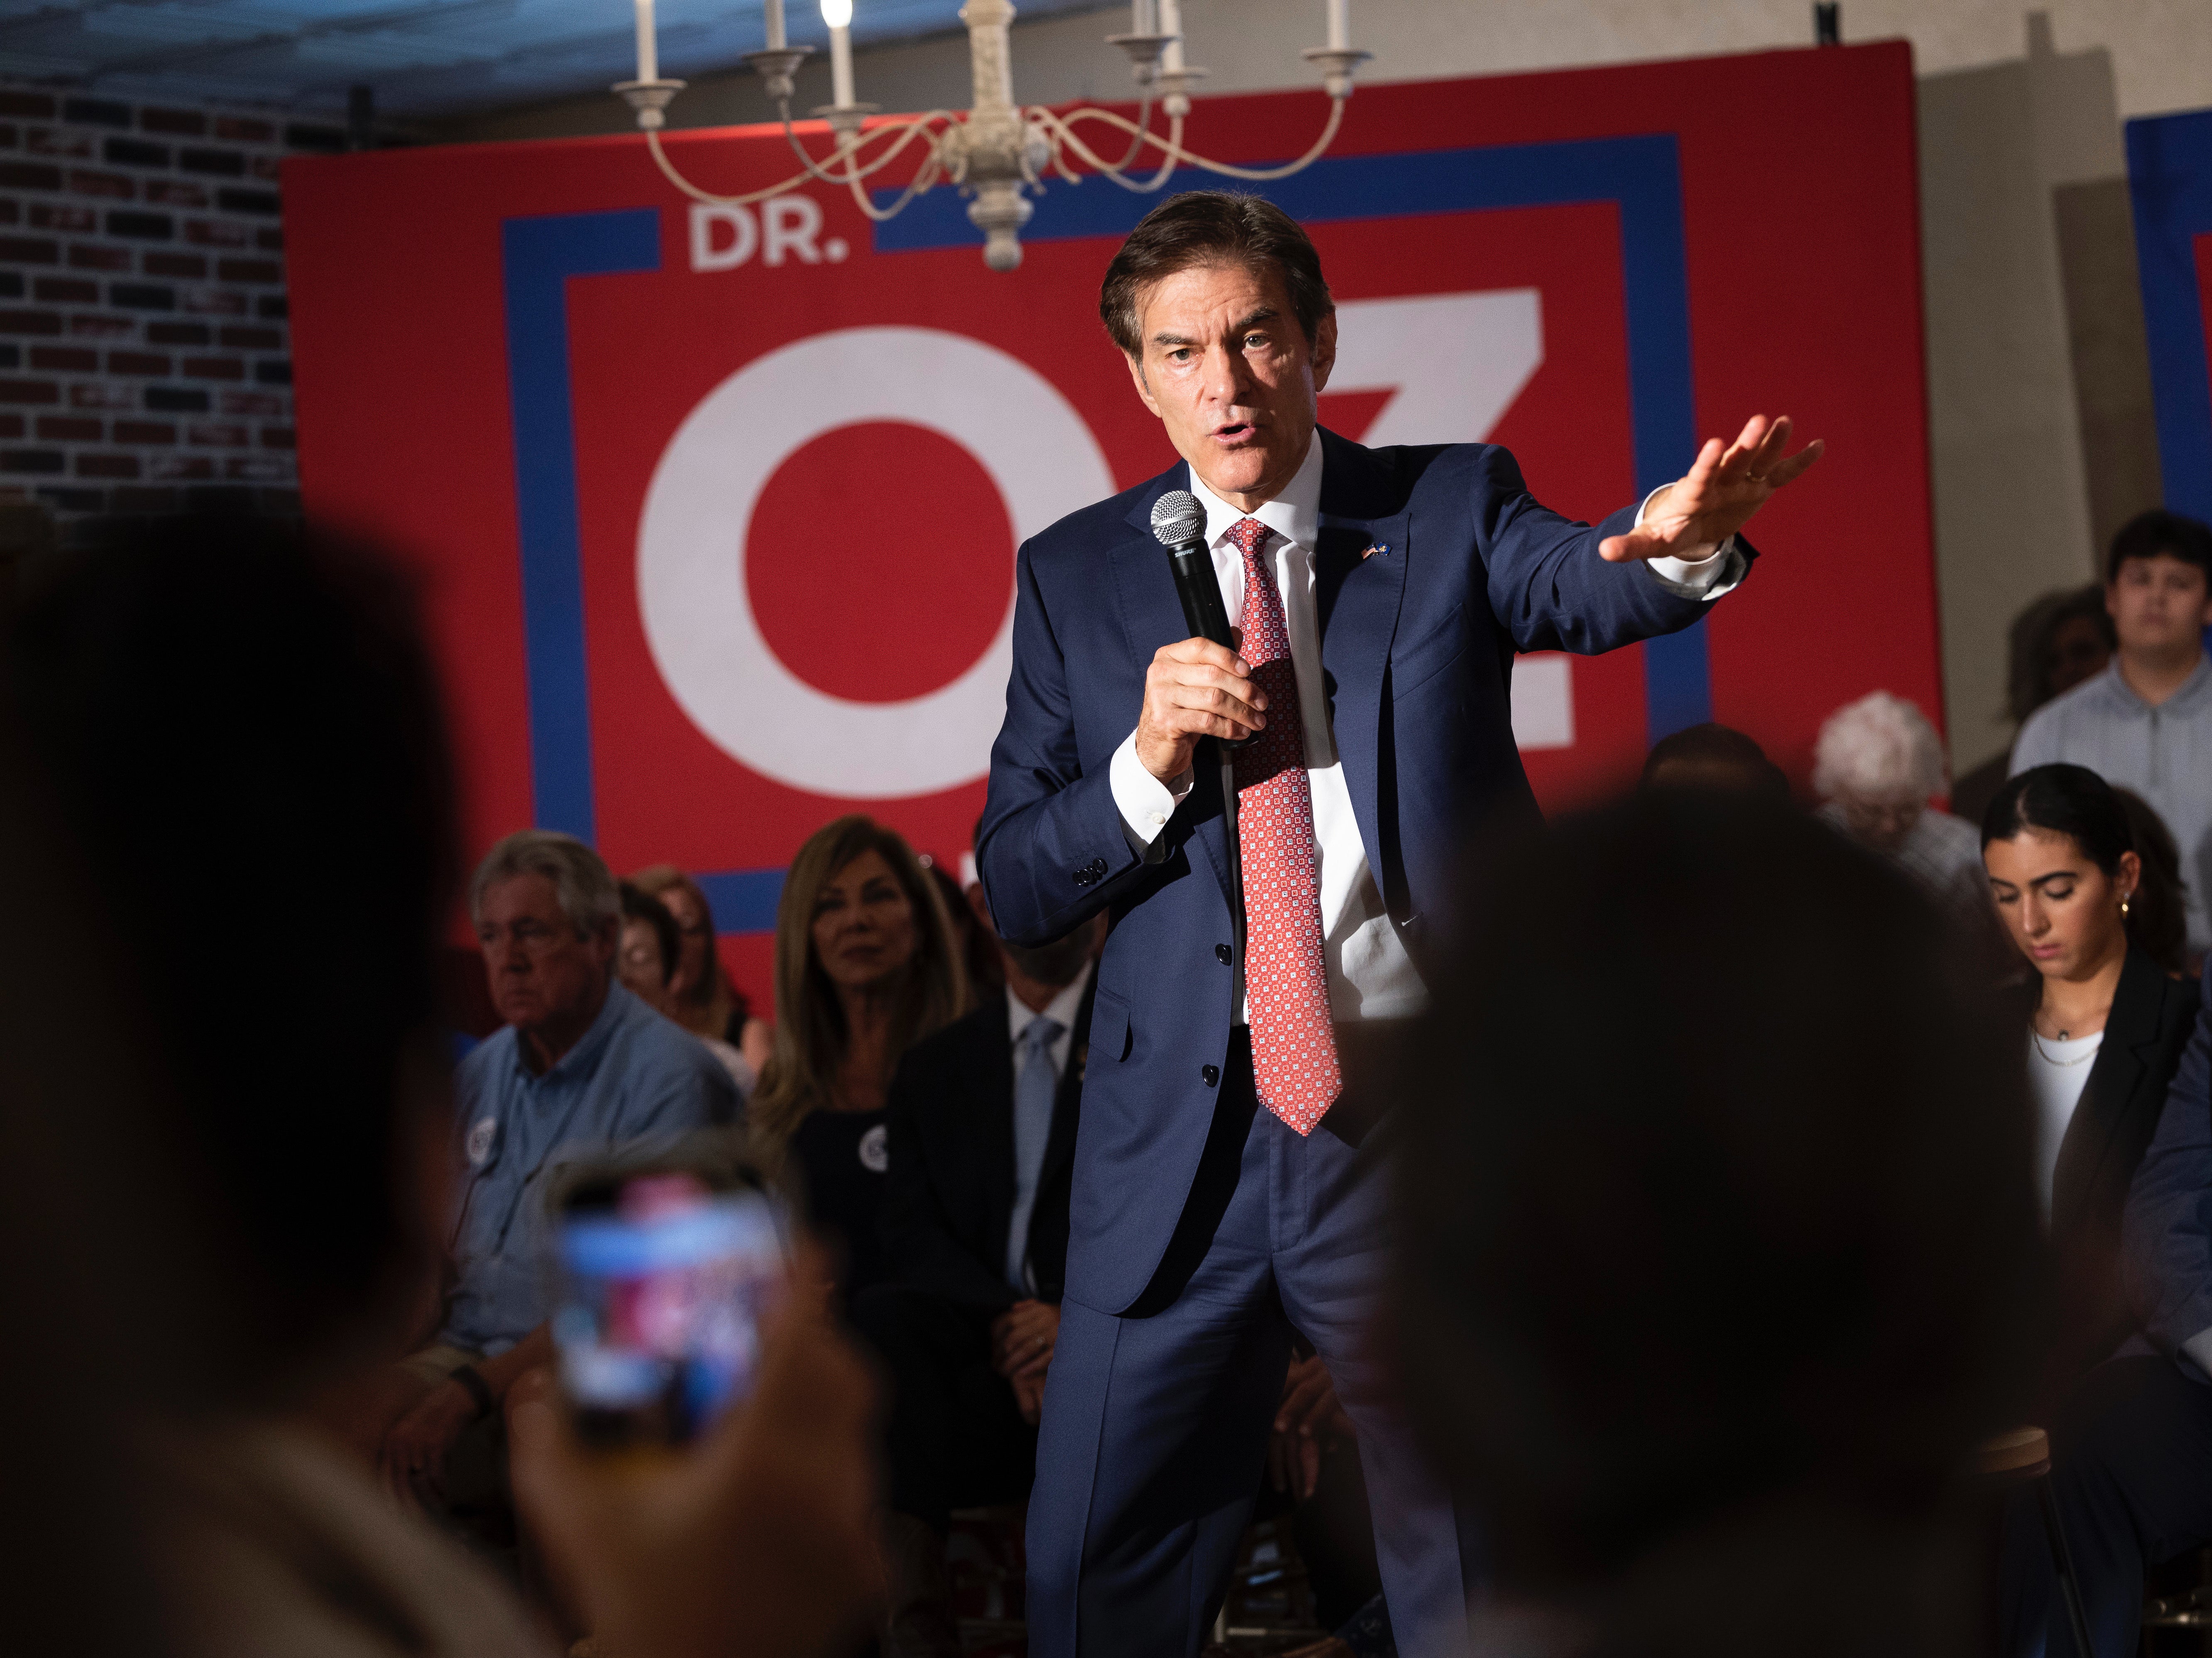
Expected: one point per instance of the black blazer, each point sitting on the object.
(948, 1195)
(2149, 1025)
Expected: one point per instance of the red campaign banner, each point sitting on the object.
(716, 507)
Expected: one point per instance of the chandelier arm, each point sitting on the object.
(1063, 131)
(1172, 149)
(924, 179)
(668, 168)
(1144, 125)
(906, 131)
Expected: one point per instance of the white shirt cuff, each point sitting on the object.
(2198, 1351)
(1145, 803)
(1701, 574)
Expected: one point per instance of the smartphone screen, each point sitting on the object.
(664, 1277)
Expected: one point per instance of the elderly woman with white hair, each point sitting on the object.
(1877, 762)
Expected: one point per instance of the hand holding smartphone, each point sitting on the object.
(664, 1271)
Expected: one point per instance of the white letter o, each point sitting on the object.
(691, 589)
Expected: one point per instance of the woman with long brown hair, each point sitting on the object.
(866, 965)
(702, 999)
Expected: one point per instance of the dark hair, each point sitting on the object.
(1714, 748)
(2148, 535)
(240, 727)
(2063, 800)
(1211, 227)
(2157, 918)
(2033, 638)
(1655, 1273)
(637, 907)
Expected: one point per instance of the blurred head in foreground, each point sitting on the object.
(238, 727)
(1716, 759)
(1715, 1227)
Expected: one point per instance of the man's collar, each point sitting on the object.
(1295, 514)
(596, 1035)
(2200, 677)
(1062, 1007)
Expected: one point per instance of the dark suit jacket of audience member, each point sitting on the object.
(948, 1195)
(2144, 1034)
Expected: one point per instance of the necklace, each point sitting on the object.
(2036, 1036)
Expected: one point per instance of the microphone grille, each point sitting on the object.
(1178, 518)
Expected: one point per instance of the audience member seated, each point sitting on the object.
(581, 1069)
(865, 968)
(710, 1004)
(1714, 757)
(2056, 642)
(1875, 764)
(1712, 1276)
(650, 964)
(2105, 1032)
(982, 1141)
(2145, 723)
(247, 1167)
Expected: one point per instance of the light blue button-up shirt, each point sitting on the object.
(2163, 752)
(635, 1079)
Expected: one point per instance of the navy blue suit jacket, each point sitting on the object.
(2168, 1258)
(1417, 641)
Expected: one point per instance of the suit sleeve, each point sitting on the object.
(2167, 1233)
(917, 1236)
(1547, 584)
(1051, 849)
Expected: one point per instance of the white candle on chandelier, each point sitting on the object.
(1144, 17)
(772, 10)
(648, 55)
(1171, 26)
(1340, 24)
(838, 13)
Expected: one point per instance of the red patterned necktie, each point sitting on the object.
(1293, 1044)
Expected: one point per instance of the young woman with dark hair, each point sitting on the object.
(2105, 1033)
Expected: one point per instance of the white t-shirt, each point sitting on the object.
(2055, 1073)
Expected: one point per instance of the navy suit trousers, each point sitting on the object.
(1156, 1421)
(2131, 1465)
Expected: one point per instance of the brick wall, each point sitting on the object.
(144, 357)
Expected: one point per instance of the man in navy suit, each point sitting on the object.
(1270, 902)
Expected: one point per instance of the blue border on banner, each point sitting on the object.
(536, 258)
(2170, 183)
(1641, 176)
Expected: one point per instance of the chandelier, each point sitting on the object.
(997, 155)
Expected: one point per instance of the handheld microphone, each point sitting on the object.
(1179, 525)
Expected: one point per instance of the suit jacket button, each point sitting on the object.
(1224, 955)
(1212, 1074)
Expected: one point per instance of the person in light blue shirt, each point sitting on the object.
(2145, 723)
(582, 1070)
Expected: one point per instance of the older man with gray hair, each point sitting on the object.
(1874, 765)
(582, 1069)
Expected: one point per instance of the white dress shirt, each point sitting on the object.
(1369, 974)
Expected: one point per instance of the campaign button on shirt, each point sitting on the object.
(876, 1150)
(482, 1133)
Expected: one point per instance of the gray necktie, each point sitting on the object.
(1034, 1084)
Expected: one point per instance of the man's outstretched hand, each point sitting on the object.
(1723, 490)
